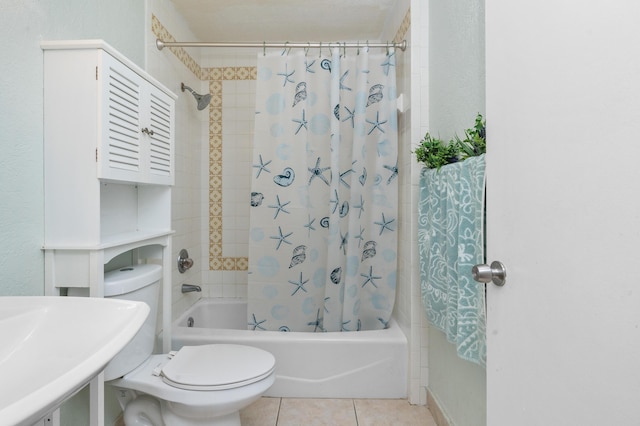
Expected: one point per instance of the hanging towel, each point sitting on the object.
(451, 241)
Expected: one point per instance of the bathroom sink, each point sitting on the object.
(50, 347)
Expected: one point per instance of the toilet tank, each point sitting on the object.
(142, 284)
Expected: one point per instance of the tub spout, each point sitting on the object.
(188, 288)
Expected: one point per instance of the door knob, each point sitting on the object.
(495, 273)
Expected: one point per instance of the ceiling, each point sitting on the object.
(285, 20)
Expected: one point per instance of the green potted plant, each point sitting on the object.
(435, 153)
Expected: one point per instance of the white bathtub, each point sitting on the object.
(363, 364)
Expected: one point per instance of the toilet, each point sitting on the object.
(196, 385)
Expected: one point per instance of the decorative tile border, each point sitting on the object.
(163, 34)
(404, 27)
(216, 76)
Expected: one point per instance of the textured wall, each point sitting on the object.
(456, 65)
(23, 24)
(456, 94)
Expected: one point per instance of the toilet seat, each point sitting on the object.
(216, 367)
(212, 400)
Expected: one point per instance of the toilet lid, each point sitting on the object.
(217, 367)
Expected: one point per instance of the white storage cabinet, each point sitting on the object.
(108, 171)
(109, 160)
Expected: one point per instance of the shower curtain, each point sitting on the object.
(323, 220)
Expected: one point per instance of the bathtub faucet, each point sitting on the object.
(188, 288)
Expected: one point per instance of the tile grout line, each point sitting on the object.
(278, 413)
(355, 411)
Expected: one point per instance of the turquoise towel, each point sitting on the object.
(451, 241)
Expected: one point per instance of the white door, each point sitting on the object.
(563, 206)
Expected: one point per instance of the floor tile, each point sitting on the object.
(391, 412)
(263, 412)
(317, 412)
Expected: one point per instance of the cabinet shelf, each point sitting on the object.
(81, 266)
(128, 239)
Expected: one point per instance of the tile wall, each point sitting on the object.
(172, 67)
(419, 125)
(229, 186)
(409, 311)
(223, 216)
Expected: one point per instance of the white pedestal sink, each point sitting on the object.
(50, 347)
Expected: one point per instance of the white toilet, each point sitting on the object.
(197, 385)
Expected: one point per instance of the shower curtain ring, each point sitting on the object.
(387, 48)
(320, 54)
(306, 50)
(264, 48)
(344, 49)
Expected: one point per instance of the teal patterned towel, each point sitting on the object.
(450, 240)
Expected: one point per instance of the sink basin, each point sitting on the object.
(50, 347)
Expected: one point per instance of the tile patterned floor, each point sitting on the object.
(335, 412)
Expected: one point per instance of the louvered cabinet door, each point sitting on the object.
(137, 127)
(120, 151)
(159, 137)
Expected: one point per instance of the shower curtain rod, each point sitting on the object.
(160, 44)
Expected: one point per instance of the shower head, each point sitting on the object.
(203, 100)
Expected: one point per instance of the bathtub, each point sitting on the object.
(363, 364)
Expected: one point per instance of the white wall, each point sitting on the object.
(456, 65)
(23, 24)
(408, 306)
(453, 64)
(419, 121)
(125, 25)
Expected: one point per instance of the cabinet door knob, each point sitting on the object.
(147, 131)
